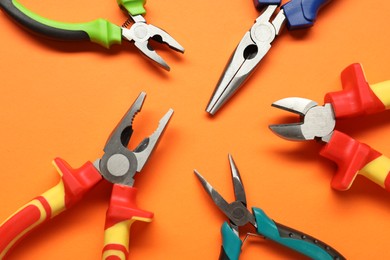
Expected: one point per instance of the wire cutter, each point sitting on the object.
(357, 98)
(118, 166)
(240, 216)
(257, 42)
(99, 31)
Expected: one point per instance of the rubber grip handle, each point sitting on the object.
(353, 158)
(70, 189)
(260, 4)
(133, 7)
(302, 13)
(121, 214)
(231, 243)
(291, 238)
(357, 97)
(99, 31)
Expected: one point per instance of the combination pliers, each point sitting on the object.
(256, 43)
(99, 31)
(357, 98)
(118, 166)
(240, 216)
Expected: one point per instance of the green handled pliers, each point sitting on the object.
(240, 216)
(100, 31)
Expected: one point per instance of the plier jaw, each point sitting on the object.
(236, 211)
(250, 51)
(317, 122)
(119, 164)
(140, 33)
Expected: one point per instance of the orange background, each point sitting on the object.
(63, 99)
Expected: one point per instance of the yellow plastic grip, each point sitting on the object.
(121, 214)
(382, 91)
(74, 183)
(377, 170)
(30, 216)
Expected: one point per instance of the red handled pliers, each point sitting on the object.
(357, 98)
(118, 166)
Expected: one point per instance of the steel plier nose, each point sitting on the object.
(256, 43)
(239, 216)
(118, 166)
(357, 98)
(99, 31)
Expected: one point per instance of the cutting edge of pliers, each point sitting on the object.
(119, 164)
(316, 122)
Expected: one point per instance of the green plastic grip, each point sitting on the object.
(133, 7)
(99, 31)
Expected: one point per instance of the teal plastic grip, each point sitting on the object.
(231, 243)
(99, 31)
(294, 239)
(133, 7)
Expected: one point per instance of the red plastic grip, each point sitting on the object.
(73, 185)
(350, 156)
(356, 98)
(123, 206)
(77, 181)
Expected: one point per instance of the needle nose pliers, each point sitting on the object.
(118, 166)
(239, 216)
(256, 43)
(99, 31)
(357, 98)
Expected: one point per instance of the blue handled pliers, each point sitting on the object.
(255, 44)
(240, 216)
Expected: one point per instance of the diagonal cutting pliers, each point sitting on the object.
(256, 43)
(240, 216)
(99, 31)
(118, 166)
(357, 98)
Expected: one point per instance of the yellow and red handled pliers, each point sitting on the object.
(358, 98)
(118, 166)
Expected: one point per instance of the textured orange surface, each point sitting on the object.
(63, 99)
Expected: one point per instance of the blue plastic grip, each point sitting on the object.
(310, 247)
(260, 4)
(302, 13)
(231, 243)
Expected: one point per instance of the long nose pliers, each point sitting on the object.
(357, 98)
(240, 216)
(256, 43)
(118, 166)
(99, 31)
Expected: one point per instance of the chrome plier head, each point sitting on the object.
(236, 211)
(119, 164)
(250, 51)
(140, 33)
(317, 122)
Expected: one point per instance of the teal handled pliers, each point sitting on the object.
(240, 216)
(100, 31)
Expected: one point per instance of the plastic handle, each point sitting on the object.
(296, 240)
(133, 7)
(358, 98)
(121, 214)
(231, 244)
(260, 4)
(99, 31)
(353, 158)
(302, 13)
(70, 189)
